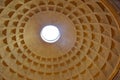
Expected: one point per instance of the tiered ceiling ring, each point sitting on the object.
(88, 49)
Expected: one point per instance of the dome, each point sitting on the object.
(86, 46)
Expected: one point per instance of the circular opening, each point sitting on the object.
(50, 34)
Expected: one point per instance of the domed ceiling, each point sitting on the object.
(88, 49)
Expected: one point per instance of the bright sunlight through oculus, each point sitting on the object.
(50, 34)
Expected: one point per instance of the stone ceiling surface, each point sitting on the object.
(89, 47)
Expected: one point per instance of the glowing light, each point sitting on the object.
(50, 34)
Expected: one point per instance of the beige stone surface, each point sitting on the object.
(88, 49)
